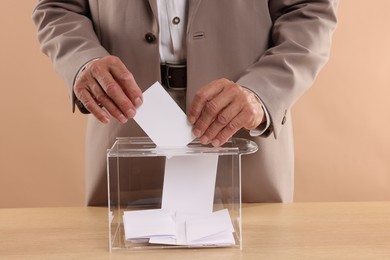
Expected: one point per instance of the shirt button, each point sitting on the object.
(176, 20)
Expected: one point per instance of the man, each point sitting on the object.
(232, 65)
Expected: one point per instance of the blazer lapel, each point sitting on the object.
(153, 6)
(192, 9)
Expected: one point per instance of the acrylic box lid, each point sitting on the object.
(144, 147)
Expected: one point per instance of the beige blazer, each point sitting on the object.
(273, 47)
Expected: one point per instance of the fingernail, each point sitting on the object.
(204, 140)
(105, 120)
(138, 102)
(122, 119)
(196, 132)
(131, 113)
(215, 143)
(191, 119)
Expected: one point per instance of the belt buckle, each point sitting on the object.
(167, 77)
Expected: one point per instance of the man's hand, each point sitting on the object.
(221, 108)
(106, 87)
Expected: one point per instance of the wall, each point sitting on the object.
(41, 140)
(342, 124)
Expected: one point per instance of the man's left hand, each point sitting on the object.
(221, 108)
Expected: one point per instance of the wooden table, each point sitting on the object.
(270, 231)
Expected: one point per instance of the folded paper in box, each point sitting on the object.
(160, 227)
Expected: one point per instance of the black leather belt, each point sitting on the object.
(174, 76)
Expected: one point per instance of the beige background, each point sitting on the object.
(342, 125)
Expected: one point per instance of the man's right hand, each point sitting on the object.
(106, 87)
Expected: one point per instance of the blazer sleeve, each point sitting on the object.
(67, 36)
(300, 42)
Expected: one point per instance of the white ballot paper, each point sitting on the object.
(162, 119)
(141, 224)
(189, 183)
(215, 228)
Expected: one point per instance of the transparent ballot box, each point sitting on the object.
(175, 197)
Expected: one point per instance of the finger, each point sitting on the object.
(205, 94)
(211, 132)
(91, 105)
(129, 86)
(104, 101)
(230, 92)
(244, 111)
(222, 120)
(248, 118)
(112, 89)
(207, 117)
(229, 130)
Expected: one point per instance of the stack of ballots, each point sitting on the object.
(186, 216)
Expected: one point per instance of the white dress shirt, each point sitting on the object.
(172, 15)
